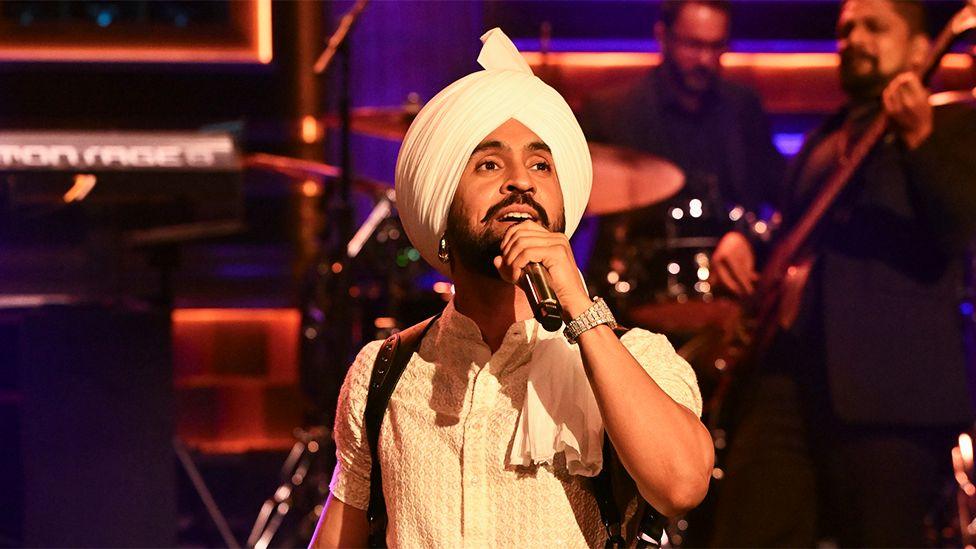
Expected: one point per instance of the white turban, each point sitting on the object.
(447, 130)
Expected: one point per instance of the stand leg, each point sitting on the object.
(205, 496)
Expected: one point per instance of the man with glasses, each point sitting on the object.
(684, 111)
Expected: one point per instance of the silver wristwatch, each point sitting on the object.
(598, 313)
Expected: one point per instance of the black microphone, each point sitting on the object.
(545, 304)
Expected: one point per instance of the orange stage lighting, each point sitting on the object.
(247, 39)
(236, 378)
(731, 59)
(311, 129)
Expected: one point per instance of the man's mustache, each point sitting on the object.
(856, 54)
(519, 198)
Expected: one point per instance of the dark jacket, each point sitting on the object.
(632, 117)
(888, 284)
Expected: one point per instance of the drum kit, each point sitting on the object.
(651, 259)
(625, 182)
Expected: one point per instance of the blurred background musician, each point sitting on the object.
(714, 130)
(846, 433)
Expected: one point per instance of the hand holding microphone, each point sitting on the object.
(545, 304)
(542, 264)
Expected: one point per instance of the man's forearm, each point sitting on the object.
(662, 444)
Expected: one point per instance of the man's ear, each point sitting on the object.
(919, 46)
(660, 32)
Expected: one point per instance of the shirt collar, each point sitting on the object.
(454, 324)
(529, 332)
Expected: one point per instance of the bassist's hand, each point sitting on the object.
(906, 102)
(734, 265)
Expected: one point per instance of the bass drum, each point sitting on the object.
(653, 265)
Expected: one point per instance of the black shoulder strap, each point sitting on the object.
(603, 491)
(648, 531)
(390, 363)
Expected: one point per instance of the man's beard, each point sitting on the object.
(476, 250)
(861, 85)
(697, 82)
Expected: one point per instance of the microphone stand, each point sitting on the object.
(338, 44)
(326, 331)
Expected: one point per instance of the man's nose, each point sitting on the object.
(858, 36)
(708, 57)
(519, 180)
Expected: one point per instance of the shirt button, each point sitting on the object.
(474, 479)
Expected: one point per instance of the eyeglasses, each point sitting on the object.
(699, 46)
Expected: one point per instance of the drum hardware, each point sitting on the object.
(389, 123)
(302, 482)
(297, 168)
(204, 493)
(301, 169)
(306, 471)
(329, 311)
(381, 212)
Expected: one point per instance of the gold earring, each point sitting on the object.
(444, 251)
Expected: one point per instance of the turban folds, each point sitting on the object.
(449, 127)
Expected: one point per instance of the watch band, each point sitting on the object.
(598, 313)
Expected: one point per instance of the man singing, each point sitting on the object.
(496, 424)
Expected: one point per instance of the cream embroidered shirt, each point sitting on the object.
(445, 441)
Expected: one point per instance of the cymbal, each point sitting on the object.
(294, 167)
(299, 168)
(389, 123)
(950, 97)
(625, 179)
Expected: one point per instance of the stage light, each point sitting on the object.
(84, 183)
(966, 450)
(311, 188)
(262, 14)
(311, 129)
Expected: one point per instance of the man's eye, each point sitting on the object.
(541, 166)
(845, 30)
(488, 165)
